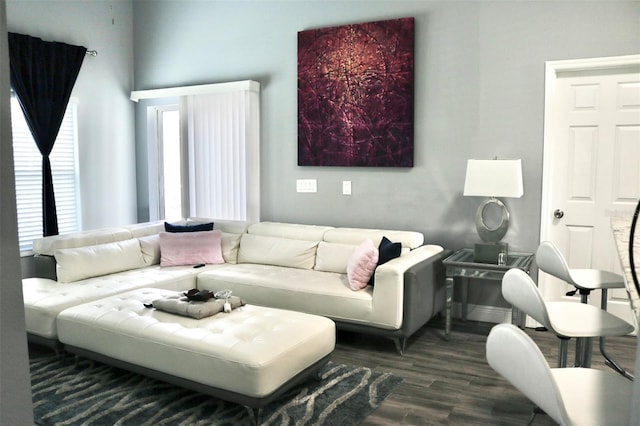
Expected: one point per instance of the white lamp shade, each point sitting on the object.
(494, 178)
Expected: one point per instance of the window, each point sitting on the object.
(204, 155)
(28, 171)
(170, 163)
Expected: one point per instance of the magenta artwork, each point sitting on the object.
(355, 95)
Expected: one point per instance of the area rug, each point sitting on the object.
(96, 394)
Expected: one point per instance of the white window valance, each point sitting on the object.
(200, 89)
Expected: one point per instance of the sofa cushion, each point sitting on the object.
(44, 299)
(150, 248)
(144, 229)
(303, 290)
(230, 246)
(49, 245)
(408, 239)
(277, 251)
(332, 257)
(75, 264)
(290, 230)
(362, 265)
(190, 248)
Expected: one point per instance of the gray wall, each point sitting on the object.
(15, 386)
(479, 85)
(105, 114)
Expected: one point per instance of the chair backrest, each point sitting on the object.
(512, 354)
(519, 289)
(550, 260)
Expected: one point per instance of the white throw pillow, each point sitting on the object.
(76, 264)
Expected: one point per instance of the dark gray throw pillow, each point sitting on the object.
(169, 227)
(387, 250)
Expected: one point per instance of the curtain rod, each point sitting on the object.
(92, 52)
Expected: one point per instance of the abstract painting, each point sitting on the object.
(355, 95)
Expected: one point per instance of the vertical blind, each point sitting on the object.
(28, 172)
(223, 155)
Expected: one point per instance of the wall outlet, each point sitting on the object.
(346, 187)
(306, 185)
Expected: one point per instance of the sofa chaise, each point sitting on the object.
(288, 266)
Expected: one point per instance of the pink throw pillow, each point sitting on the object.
(362, 265)
(190, 248)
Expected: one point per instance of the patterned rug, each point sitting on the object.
(96, 394)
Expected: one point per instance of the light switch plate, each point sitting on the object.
(306, 185)
(346, 187)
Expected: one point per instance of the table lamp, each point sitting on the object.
(492, 178)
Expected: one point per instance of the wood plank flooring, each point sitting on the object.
(450, 382)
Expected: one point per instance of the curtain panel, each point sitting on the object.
(43, 74)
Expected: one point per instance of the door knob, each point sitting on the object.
(558, 214)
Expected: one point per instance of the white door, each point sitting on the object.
(591, 166)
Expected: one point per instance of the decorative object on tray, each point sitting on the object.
(198, 304)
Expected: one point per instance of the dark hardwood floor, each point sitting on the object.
(450, 382)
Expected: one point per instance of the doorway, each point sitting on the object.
(591, 166)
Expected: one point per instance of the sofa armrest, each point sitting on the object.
(389, 290)
(424, 292)
(45, 266)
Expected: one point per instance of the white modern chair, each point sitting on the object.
(550, 260)
(570, 396)
(565, 319)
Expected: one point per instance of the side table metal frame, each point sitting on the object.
(461, 264)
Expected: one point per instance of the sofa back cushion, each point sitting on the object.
(230, 247)
(355, 236)
(74, 264)
(48, 245)
(333, 257)
(150, 248)
(293, 231)
(277, 251)
(146, 228)
(231, 226)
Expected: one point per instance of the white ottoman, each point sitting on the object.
(249, 356)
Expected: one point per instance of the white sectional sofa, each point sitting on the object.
(280, 265)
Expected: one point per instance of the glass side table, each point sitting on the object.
(461, 264)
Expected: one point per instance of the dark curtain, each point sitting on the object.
(42, 75)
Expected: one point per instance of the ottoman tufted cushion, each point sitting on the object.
(251, 351)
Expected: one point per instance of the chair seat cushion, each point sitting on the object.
(582, 320)
(585, 399)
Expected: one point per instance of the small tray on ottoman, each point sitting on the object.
(249, 356)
